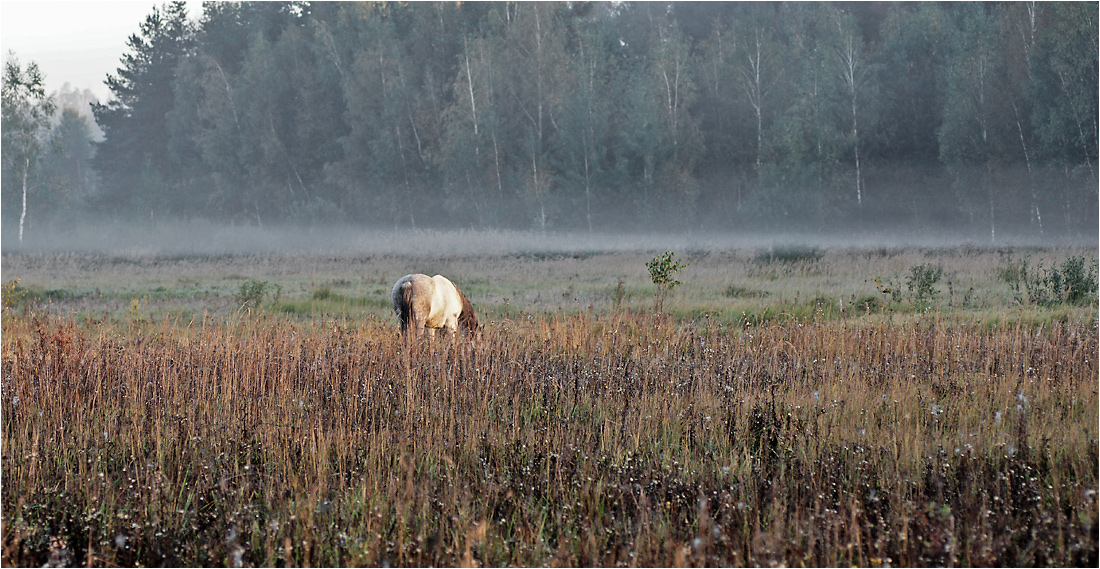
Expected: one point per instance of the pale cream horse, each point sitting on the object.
(423, 302)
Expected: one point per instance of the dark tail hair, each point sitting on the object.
(404, 305)
(467, 319)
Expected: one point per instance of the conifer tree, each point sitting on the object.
(134, 157)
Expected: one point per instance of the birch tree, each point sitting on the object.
(26, 127)
(582, 142)
(1064, 116)
(533, 59)
(854, 72)
(966, 137)
(471, 155)
(759, 66)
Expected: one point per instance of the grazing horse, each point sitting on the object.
(423, 302)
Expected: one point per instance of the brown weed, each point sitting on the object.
(577, 440)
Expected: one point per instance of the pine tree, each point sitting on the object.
(135, 154)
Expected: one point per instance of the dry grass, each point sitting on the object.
(611, 438)
(773, 417)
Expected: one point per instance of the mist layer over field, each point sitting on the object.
(204, 238)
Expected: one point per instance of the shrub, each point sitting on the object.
(1074, 283)
(12, 294)
(867, 303)
(662, 270)
(888, 289)
(922, 280)
(253, 292)
(1071, 282)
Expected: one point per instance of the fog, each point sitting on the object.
(199, 238)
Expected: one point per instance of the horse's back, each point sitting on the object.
(444, 305)
(444, 287)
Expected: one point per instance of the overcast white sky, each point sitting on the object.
(74, 42)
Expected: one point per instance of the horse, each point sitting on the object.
(431, 302)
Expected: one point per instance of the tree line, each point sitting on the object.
(975, 117)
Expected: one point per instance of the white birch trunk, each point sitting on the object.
(23, 216)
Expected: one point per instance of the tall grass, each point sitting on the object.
(577, 440)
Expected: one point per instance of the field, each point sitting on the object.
(788, 406)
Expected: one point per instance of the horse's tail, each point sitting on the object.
(402, 302)
(407, 300)
(466, 318)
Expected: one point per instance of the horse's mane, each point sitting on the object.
(467, 319)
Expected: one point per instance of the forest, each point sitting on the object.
(977, 119)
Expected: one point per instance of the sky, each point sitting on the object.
(74, 42)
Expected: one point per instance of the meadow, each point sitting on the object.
(788, 406)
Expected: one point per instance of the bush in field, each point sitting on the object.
(867, 303)
(253, 292)
(12, 294)
(922, 281)
(662, 270)
(888, 289)
(1071, 282)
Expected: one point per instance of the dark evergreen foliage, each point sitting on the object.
(973, 118)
